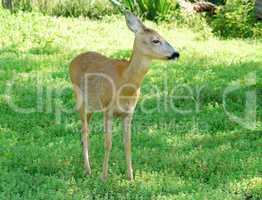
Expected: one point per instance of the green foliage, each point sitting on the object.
(67, 8)
(235, 19)
(257, 30)
(92, 9)
(199, 155)
(152, 10)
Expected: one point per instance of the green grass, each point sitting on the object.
(198, 155)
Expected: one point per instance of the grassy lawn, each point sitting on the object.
(199, 154)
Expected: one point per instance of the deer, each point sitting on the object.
(112, 86)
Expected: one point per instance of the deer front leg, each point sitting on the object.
(107, 144)
(127, 142)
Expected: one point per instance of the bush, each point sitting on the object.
(153, 10)
(257, 30)
(67, 8)
(88, 8)
(235, 19)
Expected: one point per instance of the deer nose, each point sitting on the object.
(174, 56)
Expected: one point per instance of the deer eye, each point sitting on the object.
(156, 41)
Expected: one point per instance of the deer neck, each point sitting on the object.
(137, 69)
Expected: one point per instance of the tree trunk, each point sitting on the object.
(7, 4)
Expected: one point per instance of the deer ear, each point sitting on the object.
(134, 23)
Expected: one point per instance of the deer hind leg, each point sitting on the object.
(127, 143)
(107, 143)
(85, 118)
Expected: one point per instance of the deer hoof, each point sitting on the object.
(104, 178)
(88, 172)
(130, 178)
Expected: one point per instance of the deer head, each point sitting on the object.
(148, 42)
